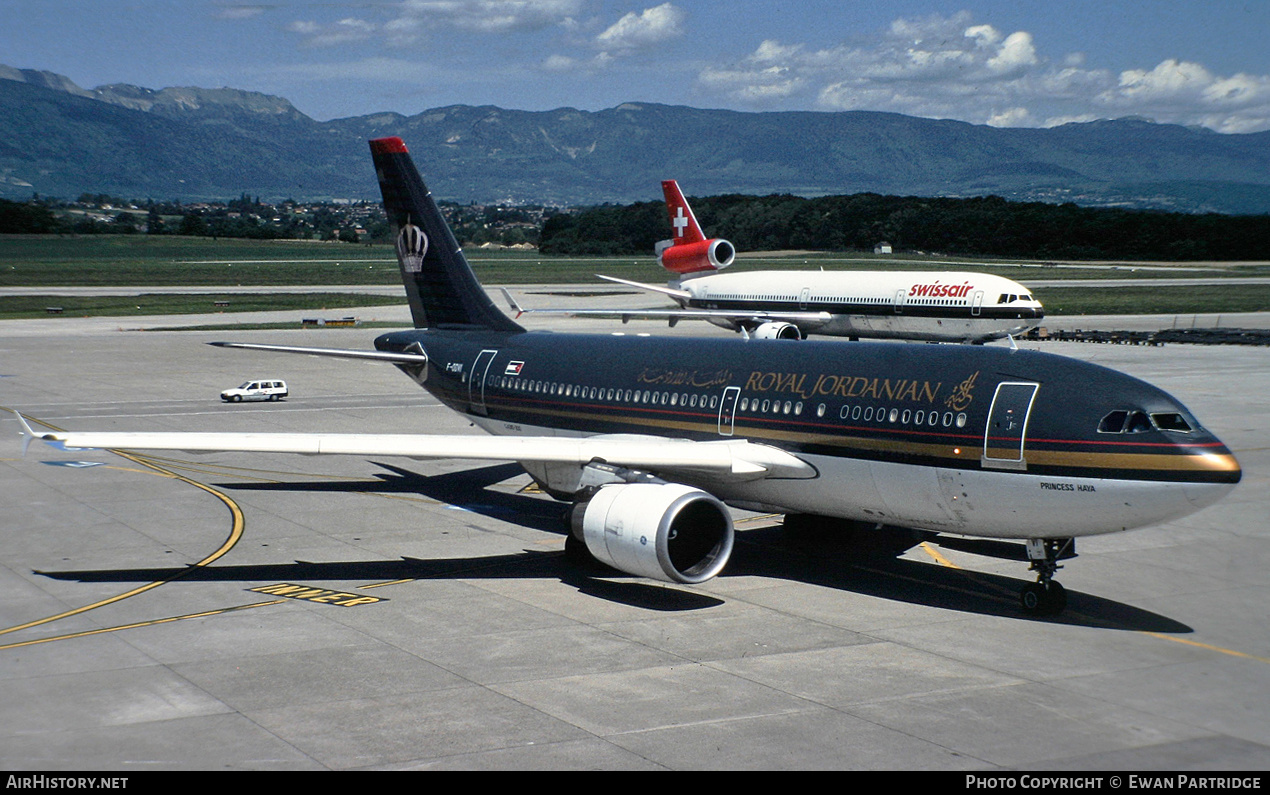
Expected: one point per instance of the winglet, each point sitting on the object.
(517, 308)
(27, 433)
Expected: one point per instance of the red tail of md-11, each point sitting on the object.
(689, 251)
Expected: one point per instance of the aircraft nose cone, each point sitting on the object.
(1202, 495)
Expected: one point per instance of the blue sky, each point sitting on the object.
(1016, 63)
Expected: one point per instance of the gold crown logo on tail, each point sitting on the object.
(412, 247)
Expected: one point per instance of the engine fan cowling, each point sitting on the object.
(663, 531)
(706, 255)
(777, 331)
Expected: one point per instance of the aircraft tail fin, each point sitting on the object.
(442, 289)
(689, 253)
(684, 224)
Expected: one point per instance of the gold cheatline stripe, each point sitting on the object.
(1163, 462)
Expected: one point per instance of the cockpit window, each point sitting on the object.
(1171, 421)
(1138, 423)
(1007, 298)
(1113, 422)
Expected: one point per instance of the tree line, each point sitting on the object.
(983, 226)
(247, 217)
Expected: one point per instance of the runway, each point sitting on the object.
(237, 611)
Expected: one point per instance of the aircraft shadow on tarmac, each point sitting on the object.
(867, 562)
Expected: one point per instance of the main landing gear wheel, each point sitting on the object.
(1045, 597)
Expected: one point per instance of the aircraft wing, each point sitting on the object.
(730, 459)
(809, 320)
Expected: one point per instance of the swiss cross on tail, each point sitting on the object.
(688, 251)
(679, 222)
(681, 218)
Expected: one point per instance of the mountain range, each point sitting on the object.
(60, 140)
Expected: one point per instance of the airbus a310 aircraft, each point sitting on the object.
(935, 306)
(652, 437)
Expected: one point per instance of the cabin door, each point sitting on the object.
(976, 303)
(476, 384)
(1004, 438)
(899, 300)
(727, 410)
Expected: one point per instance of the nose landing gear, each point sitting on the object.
(1045, 597)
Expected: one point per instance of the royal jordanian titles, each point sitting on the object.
(934, 306)
(653, 438)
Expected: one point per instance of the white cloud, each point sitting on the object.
(488, 16)
(634, 32)
(1171, 79)
(559, 63)
(242, 11)
(416, 18)
(1182, 92)
(342, 32)
(1014, 117)
(946, 67)
(644, 29)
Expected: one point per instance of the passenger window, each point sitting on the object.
(1113, 422)
(1172, 421)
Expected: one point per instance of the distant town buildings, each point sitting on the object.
(350, 221)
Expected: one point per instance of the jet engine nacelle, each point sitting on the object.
(706, 255)
(663, 531)
(777, 331)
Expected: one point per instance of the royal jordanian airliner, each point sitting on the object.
(652, 438)
(936, 306)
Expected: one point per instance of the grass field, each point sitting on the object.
(1155, 299)
(27, 306)
(169, 261)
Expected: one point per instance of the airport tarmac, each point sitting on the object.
(146, 621)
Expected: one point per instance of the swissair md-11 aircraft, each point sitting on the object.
(936, 306)
(652, 438)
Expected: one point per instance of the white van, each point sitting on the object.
(256, 390)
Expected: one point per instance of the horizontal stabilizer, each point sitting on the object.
(377, 356)
(684, 294)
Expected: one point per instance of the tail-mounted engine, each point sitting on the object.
(704, 255)
(663, 531)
